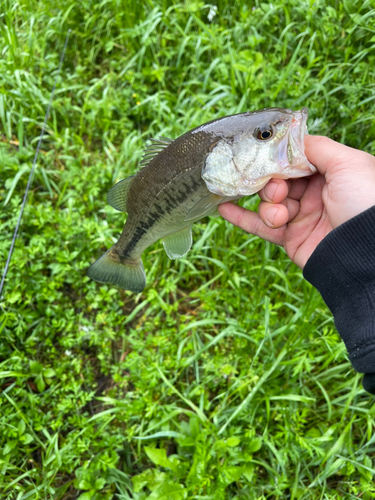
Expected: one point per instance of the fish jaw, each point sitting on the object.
(291, 151)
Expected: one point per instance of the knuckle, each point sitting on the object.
(240, 217)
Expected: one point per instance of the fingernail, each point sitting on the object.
(270, 190)
(271, 214)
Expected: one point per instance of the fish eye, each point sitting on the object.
(264, 133)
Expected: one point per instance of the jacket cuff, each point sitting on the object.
(342, 268)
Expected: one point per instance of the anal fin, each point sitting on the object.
(178, 244)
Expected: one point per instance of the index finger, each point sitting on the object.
(251, 223)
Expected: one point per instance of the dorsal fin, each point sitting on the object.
(118, 194)
(152, 150)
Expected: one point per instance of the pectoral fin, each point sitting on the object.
(205, 206)
(117, 195)
(178, 244)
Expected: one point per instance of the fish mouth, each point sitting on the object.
(292, 156)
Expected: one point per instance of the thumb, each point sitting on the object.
(327, 154)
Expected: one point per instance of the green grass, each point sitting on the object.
(226, 378)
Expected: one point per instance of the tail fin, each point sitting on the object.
(129, 275)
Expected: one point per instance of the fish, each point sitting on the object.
(182, 180)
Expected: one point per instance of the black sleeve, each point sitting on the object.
(342, 268)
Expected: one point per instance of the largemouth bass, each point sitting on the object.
(185, 179)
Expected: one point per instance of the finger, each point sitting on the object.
(293, 207)
(273, 215)
(275, 191)
(251, 222)
(326, 154)
(278, 189)
(276, 216)
(297, 188)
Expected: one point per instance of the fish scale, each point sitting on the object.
(183, 180)
(165, 211)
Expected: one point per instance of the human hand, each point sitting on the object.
(298, 213)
